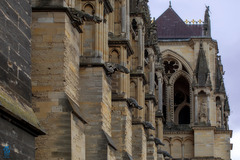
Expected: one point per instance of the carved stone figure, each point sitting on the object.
(158, 141)
(133, 103)
(148, 125)
(203, 113)
(164, 153)
(112, 68)
(218, 116)
(80, 16)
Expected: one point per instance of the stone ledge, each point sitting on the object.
(58, 9)
(139, 74)
(109, 140)
(121, 41)
(19, 114)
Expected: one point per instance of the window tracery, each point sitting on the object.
(170, 66)
(178, 90)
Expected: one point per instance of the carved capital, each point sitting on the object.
(159, 75)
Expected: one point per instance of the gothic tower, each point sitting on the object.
(195, 105)
(101, 80)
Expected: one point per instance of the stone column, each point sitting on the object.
(140, 44)
(96, 49)
(196, 108)
(169, 103)
(152, 73)
(171, 95)
(208, 108)
(123, 17)
(128, 19)
(160, 93)
(151, 112)
(160, 82)
(222, 112)
(182, 151)
(170, 147)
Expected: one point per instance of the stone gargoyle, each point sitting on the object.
(80, 16)
(148, 125)
(133, 103)
(164, 153)
(158, 141)
(113, 67)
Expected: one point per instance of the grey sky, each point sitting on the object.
(225, 25)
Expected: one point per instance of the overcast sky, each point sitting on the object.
(225, 28)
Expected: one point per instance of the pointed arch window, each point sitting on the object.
(184, 115)
(181, 101)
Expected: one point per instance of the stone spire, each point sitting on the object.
(201, 71)
(207, 23)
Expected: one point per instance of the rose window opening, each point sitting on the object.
(170, 66)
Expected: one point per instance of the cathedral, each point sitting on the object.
(102, 80)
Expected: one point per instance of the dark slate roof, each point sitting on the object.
(171, 26)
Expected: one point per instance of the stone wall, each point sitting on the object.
(95, 102)
(139, 141)
(15, 50)
(55, 86)
(78, 142)
(18, 123)
(222, 145)
(20, 142)
(122, 128)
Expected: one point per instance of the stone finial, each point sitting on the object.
(148, 125)
(133, 103)
(158, 141)
(207, 24)
(170, 4)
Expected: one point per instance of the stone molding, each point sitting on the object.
(119, 41)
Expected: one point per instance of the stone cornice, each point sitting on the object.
(223, 132)
(177, 132)
(19, 113)
(138, 74)
(76, 17)
(203, 128)
(58, 9)
(189, 41)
